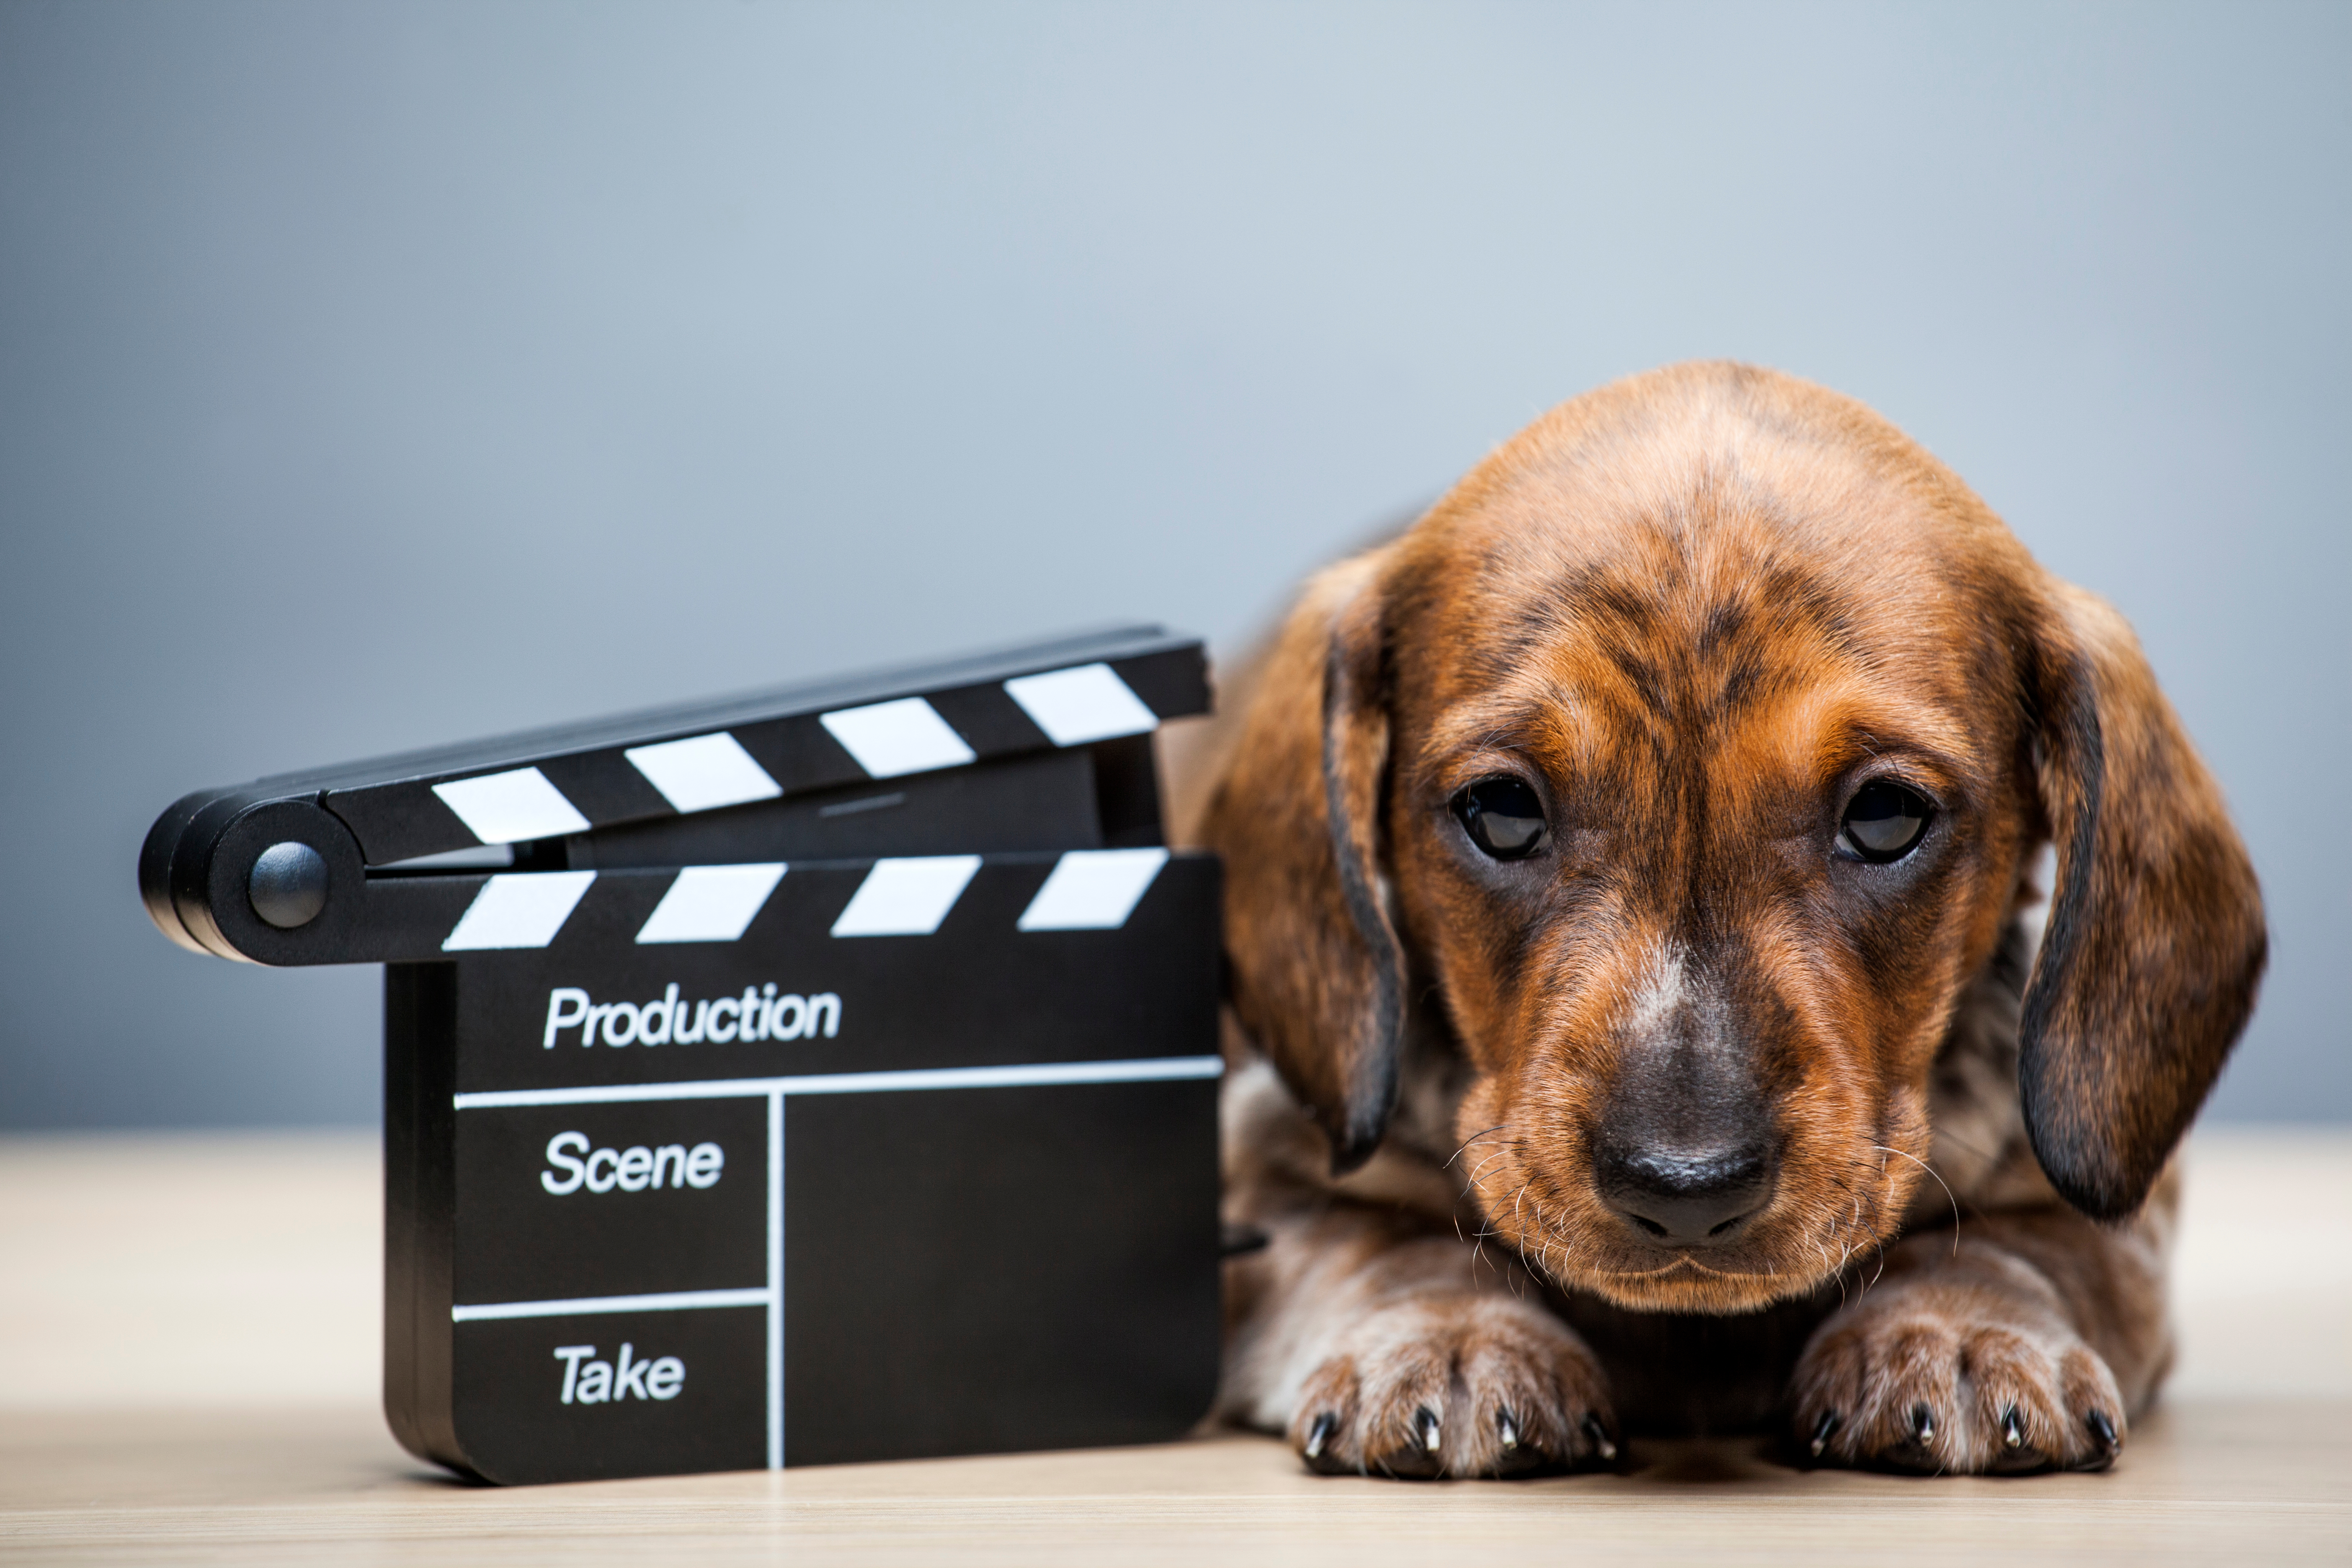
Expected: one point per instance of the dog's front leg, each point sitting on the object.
(1371, 1332)
(2025, 1344)
(1382, 1349)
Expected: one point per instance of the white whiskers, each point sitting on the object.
(1939, 1181)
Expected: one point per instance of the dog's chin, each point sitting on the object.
(1680, 1282)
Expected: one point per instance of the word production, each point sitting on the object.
(760, 1014)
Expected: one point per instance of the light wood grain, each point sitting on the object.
(188, 1366)
(149, 1271)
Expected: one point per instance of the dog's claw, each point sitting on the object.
(1508, 1430)
(1318, 1435)
(1602, 1444)
(2101, 1429)
(1922, 1422)
(1424, 1423)
(2012, 1429)
(1825, 1428)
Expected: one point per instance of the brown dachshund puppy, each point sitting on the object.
(1639, 1020)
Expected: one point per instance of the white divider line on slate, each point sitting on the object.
(581, 1306)
(1147, 1070)
(775, 1282)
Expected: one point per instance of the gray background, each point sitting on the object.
(377, 376)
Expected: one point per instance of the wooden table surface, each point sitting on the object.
(187, 1365)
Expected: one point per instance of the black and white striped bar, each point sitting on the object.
(684, 761)
(1072, 707)
(903, 896)
(403, 920)
(1043, 748)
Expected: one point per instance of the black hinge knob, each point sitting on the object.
(289, 884)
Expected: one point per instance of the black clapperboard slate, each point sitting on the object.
(822, 1075)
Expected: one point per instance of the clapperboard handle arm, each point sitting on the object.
(278, 871)
(641, 767)
(278, 880)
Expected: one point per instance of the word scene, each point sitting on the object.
(632, 1170)
(762, 1013)
(589, 1382)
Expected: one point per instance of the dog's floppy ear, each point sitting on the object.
(2155, 942)
(1317, 969)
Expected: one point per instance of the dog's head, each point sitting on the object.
(1688, 757)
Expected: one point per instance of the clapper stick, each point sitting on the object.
(723, 1116)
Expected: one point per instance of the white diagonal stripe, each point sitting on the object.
(1089, 703)
(906, 896)
(1093, 890)
(524, 909)
(887, 739)
(512, 806)
(710, 903)
(703, 773)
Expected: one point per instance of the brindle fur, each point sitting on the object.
(1695, 610)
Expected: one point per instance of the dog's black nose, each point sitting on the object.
(1686, 1197)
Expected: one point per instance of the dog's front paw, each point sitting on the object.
(1937, 1377)
(1454, 1385)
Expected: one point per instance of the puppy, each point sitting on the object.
(1640, 1014)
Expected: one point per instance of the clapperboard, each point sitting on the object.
(823, 1075)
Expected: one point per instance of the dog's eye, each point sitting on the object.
(1883, 822)
(1502, 816)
